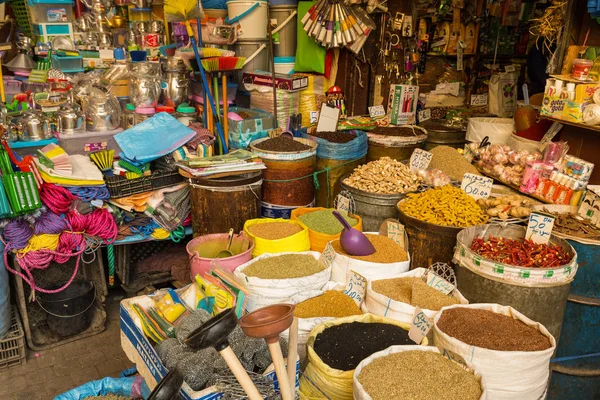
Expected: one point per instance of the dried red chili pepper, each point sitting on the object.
(520, 252)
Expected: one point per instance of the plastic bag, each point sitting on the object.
(319, 240)
(310, 55)
(133, 387)
(295, 243)
(319, 379)
(359, 391)
(264, 292)
(356, 148)
(508, 375)
(498, 130)
(503, 94)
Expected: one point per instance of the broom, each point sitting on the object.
(184, 10)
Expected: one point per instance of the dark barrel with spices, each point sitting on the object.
(290, 167)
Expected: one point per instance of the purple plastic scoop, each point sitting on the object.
(353, 241)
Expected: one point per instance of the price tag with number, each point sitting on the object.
(539, 227)
(327, 256)
(314, 117)
(439, 283)
(355, 288)
(377, 112)
(420, 159)
(477, 186)
(424, 115)
(343, 204)
(421, 325)
(589, 207)
(395, 231)
(479, 100)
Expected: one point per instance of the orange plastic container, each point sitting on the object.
(319, 240)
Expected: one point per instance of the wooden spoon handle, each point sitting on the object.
(292, 354)
(240, 374)
(284, 383)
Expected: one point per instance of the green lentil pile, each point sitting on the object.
(386, 250)
(284, 267)
(413, 291)
(324, 221)
(274, 230)
(425, 375)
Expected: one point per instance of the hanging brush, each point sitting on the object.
(103, 159)
(185, 10)
(208, 52)
(220, 64)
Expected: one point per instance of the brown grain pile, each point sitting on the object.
(413, 291)
(274, 230)
(450, 161)
(487, 329)
(332, 303)
(386, 250)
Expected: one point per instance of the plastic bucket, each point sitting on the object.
(67, 311)
(285, 65)
(202, 250)
(252, 16)
(285, 18)
(269, 210)
(256, 53)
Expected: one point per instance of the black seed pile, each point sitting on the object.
(282, 144)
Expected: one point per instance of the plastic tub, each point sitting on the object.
(202, 250)
(67, 310)
(68, 63)
(51, 11)
(252, 16)
(581, 69)
(285, 65)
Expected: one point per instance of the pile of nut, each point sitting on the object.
(385, 176)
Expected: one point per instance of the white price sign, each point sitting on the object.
(395, 231)
(539, 227)
(421, 325)
(343, 204)
(377, 112)
(424, 115)
(356, 287)
(420, 159)
(327, 256)
(314, 117)
(589, 207)
(478, 100)
(439, 283)
(477, 186)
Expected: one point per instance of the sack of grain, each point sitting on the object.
(510, 374)
(498, 130)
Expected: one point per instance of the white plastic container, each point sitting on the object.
(285, 65)
(252, 16)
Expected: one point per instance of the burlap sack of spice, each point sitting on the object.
(379, 304)
(296, 242)
(265, 292)
(319, 379)
(319, 240)
(509, 375)
(359, 392)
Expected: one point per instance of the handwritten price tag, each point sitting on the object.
(477, 186)
(356, 287)
(424, 115)
(395, 231)
(327, 256)
(420, 159)
(343, 204)
(314, 117)
(479, 100)
(377, 112)
(539, 227)
(439, 283)
(589, 207)
(420, 326)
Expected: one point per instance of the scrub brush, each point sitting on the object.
(103, 159)
(207, 52)
(223, 63)
(132, 167)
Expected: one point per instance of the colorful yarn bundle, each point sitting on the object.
(50, 223)
(56, 198)
(90, 193)
(17, 234)
(100, 223)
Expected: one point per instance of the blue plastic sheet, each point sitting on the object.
(134, 387)
(153, 138)
(5, 314)
(356, 148)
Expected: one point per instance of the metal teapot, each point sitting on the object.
(69, 120)
(34, 127)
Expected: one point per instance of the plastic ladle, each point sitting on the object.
(226, 253)
(267, 323)
(168, 387)
(353, 241)
(214, 333)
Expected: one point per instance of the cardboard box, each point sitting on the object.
(291, 83)
(555, 107)
(402, 104)
(139, 350)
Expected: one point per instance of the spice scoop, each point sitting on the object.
(267, 323)
(168, 387)
(353, 241)
(226, 253)
(214, 333)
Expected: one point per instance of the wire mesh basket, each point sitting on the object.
(12, 346)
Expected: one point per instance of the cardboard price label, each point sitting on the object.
(589, 207)
(377, 112)
(539, 227)
(421, 325)
(356, 287)
(439, 283)
(477, 186)
(343, 204)
(420, 159)
(424, 115)
(314, 117)
(478, 100)
(327, 256)
(395, 231)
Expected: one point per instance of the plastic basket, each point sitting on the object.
(68, 63)
(12, 347)
(23, 15)
(119, 186)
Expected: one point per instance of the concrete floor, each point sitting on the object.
(62, 368)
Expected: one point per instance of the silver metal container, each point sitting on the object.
(69, 120)
(175, 88)
(102, 113)
(144, 84)
(34, 127)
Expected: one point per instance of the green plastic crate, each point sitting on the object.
(23, 15)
